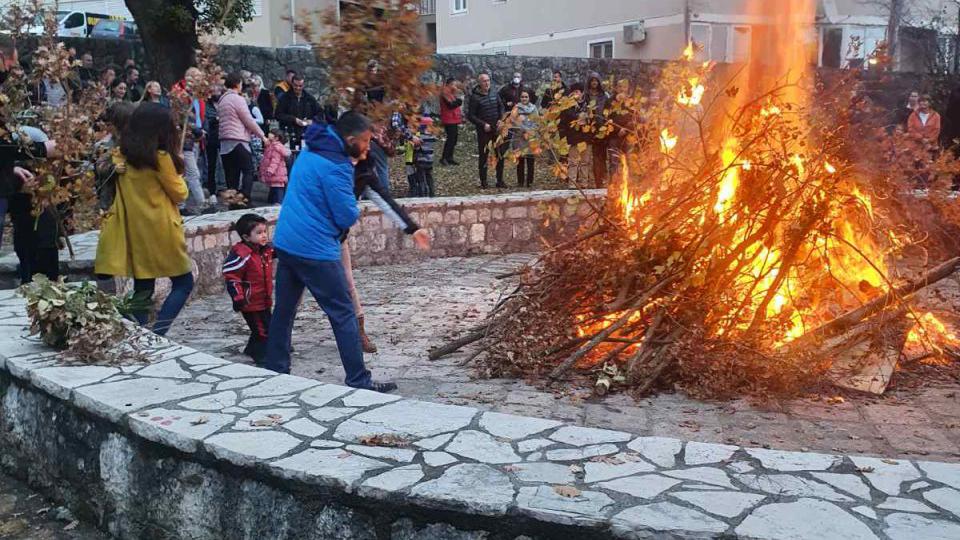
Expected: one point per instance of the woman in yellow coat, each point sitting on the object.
(142, 233)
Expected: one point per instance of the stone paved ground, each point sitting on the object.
(410, 308)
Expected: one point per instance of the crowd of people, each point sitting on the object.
(153, 167)
(149, 170)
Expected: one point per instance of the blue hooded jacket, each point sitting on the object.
(319, 205)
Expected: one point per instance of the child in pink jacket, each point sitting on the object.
(273, 167)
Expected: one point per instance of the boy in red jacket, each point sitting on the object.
(248, 272)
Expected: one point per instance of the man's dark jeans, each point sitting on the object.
(450, 146)
(381, 165)
(483, 147)
(327, 282)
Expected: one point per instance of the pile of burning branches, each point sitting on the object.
(742, 249)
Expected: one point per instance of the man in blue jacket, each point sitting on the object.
(318, 209)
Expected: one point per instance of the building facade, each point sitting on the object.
(273, 20)
(846, 31)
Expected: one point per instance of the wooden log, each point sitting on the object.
(645, 348)
(604, 334)
(846, 321)
(658, 363)
(620, 322)
(865, 358)
(457, 344)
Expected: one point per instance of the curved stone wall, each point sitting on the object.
(187, 445)
(459, 226)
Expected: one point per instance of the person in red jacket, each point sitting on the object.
(248, 272)
(451, 116)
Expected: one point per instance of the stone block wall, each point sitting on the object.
(458, 226)
(885, 89)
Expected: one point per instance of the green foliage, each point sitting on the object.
(202, 16)
(80, 319)
(222, 16)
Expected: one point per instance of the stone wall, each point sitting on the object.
(458, 226)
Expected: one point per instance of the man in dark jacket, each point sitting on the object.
(296, 111)
(485, 111)
(510, 93)
(318, 210)
(557, 88)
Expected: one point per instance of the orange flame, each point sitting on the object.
(930, 329)
(771, 286)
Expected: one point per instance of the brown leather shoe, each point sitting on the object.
(368, 346)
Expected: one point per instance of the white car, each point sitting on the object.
(73, 23)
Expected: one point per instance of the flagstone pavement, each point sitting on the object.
(413, 307)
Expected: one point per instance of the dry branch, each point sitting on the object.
(846, 321)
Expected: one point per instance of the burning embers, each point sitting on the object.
(739, 249)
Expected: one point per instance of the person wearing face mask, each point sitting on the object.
(510, 93)
(318, 210)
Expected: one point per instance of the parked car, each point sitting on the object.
(73, 23)
(115, 29)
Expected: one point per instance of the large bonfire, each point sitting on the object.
(741, 247)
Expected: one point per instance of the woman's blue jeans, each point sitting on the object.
(143, 292)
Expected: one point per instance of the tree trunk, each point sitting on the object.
(893, 33)
(169, 38)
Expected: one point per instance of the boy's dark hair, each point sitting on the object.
(234, 79)
(576, 86)
(151, 129)
(352, 124)
(558, 72)
(289, 71)
(298, 77)
(279, 134)
(247, 222)
(450, 80)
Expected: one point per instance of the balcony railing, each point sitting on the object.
(428, 7)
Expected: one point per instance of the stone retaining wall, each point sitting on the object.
(885, 89)
(459, 226)
(187, 445)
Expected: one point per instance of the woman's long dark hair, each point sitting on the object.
(151, 129)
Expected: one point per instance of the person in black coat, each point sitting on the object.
(297, 110)
(557, 88)
(34, 238)
(510, 93)
(484, 111)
